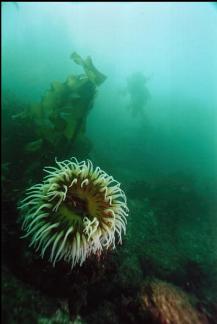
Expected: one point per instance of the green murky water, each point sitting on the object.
(132, 87)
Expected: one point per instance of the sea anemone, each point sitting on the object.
(77, 211)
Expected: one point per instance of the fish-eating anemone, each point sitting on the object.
(77, 211)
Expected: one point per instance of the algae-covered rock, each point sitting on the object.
(21, 303)
(163, 303)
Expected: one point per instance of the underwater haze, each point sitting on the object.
(172, 43)
(148, 117)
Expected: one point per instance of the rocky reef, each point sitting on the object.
(164, 303)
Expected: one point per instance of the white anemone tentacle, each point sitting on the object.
(63, 231)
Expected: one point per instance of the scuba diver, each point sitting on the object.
(138, 92)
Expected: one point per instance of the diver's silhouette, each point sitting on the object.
(139, 93)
